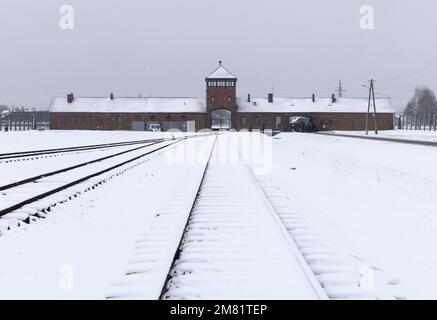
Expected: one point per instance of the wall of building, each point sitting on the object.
(323, 121)
(221, 98)
(250, 121)
(114, 121)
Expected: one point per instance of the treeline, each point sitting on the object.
(3, 107)
(423, 103)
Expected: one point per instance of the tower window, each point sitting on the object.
(212, 84)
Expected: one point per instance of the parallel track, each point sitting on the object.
(382, 139)
(52, 173)
(69, 184)
(33, 153)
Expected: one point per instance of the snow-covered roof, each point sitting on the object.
(221, 73)
(197, 105)
(282, 105)
(129, 105)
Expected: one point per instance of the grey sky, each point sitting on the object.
(166, 47)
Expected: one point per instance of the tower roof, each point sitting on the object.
(221, 73)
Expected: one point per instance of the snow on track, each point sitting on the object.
(233, 247)
(13, 172)
(154, 250)
(84, 243)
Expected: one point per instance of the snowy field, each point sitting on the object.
(83, 245)
(37, 140)
(419, 135)
(373, 201)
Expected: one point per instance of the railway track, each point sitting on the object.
(38, 177)
(218, 239)
(32, 196)
(382, 139)
(14, 156)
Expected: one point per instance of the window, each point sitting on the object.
(278, 122)
(221, 83)
(152, 118)
(230, 83)
(243, 121)
(119, 122)
(168, 118)
(212, 84)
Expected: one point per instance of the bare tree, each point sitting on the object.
(423, 102)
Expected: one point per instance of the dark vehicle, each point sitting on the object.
(302, 124)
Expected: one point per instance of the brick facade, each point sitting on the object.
(220, 94)
(252, 121)
(118, 121)
(323, 121)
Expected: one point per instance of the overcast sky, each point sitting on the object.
(167, 47)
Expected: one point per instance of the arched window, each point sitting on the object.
(221, 119)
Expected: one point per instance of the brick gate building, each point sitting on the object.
(220, 109)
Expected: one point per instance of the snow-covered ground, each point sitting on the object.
(38, 140)
(85, 243)
(374, 200)
(419, 135)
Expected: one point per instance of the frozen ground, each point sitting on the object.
(85, 243)
(374, 200)
(420, 135)
(36, 140)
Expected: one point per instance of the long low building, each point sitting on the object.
(221, 109)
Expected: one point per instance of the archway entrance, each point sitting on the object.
(221, 119)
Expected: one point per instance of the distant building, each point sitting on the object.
(220, 109)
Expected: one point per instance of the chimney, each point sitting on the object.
(111, 96)
(248, 98)
(333, 98)
(70, 97)
(270, 97)
(314, 98)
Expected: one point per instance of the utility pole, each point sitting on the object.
(371, 101)
(340, 90)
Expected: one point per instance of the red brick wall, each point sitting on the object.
(220, 95)
(109, 121)
(323, 121)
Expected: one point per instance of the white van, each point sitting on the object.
(155, 127)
